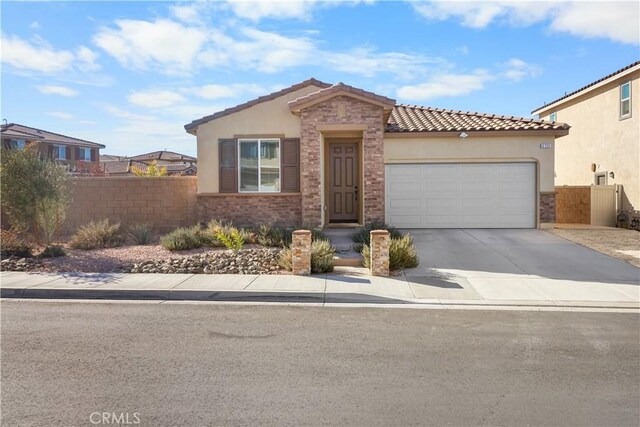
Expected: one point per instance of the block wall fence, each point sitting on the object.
(164, 202)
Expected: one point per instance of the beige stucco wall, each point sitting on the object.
(476, 149)
(264, 119)
(598, 136)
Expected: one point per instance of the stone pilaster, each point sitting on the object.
(380, 243)
(301, 252)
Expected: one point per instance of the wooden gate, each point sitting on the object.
(603, 205)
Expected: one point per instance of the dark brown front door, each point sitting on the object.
(343, 182)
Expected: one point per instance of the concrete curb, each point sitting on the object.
(312, 298)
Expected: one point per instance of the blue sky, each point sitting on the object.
(131, 74)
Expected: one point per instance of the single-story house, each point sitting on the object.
(320, 154)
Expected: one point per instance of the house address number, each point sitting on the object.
(545, 146)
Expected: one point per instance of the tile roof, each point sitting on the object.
(123, 167)
(615, 73)
(337, 88)
(414, 118)
(46, 136)
(253, 102)
(169, 156)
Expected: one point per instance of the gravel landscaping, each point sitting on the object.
(616, 242)
(153, 259)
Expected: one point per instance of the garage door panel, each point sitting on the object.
(461, 195)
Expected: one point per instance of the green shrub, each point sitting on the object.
(12, 245)
(322, 254)
(97, 235)
(50, 214)
(231, 237)
(402, 254)
(362, 236)
(185, 238)
(53, 252)
(141, 233)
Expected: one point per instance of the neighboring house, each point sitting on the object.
(72, 152)
(175, 163)
(603, 147)
(321, 154)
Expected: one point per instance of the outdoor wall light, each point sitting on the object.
(463, 135)
(612, 175)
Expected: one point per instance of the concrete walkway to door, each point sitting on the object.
(516, 265)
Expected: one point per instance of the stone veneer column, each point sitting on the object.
(301, 252)
(548, 207)
(380, 243)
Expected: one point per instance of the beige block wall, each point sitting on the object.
(477, 149)
(598, 136)
(264, 119)
(164, 202)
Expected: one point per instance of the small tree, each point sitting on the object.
(34, 191)
(152, 170)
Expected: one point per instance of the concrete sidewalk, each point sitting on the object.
(437, 287)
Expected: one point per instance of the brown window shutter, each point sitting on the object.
(50, 149)
(228, 159)
(77, 154)
(290, 165)
(94, 154)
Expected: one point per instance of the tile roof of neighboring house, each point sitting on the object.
(114, 167)
(340, 87)
(259, 100)
(615, 73)
(111, 157)
(414, 118)
(123, 167)
(169, 156)
(46, 136)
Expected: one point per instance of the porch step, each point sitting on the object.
(340, 239)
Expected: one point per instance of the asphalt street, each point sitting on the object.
(209, 364)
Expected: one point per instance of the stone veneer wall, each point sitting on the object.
(573, 205)
(163, 202)
(355, 112)
(251, 209)
(547, 207)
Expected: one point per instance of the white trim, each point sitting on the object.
(259, 140)
(57, 155)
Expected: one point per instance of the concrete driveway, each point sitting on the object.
(516, 265)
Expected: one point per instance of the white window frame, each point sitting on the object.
(601, 174)
(625, 116)
(18, 144)
(57, 153)
(553, 116)
(86, 151)
(259, 164)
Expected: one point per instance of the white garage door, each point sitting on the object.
(461, 195)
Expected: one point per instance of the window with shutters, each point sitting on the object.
(60, 152)
(259, 161)
(84, 154)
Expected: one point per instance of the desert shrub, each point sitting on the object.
(152, 169)
(322, 254)
(274, 235)
(98, 234)
(11, 244)
(402, 254)
(362, 236)
(141, 233)
(285, 258)
(185, 238)
(34, 191)
(230, 237)
(53, 252)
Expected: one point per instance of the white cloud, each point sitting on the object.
(124, 114)
(517, 69)
(445, 85)
(40, 56)
(216, 91)
(61, 115)
(614, 20)
(256, 10)
(35, 25)
(58, 90)
(155, 98)
(27, 56)
(164, 44)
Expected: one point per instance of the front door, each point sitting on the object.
(343, 182)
